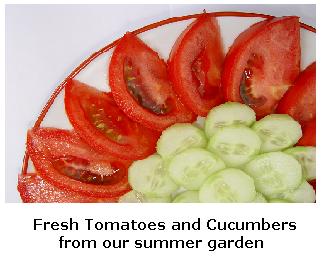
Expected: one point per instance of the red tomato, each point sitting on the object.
(141, 88)
(195, 65)
(262, 64)
(299, 100)
(102, 125)
(33, 189)
(64, 160)
(313, 183)
(309, 134)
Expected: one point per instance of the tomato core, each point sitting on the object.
(88, 172)
(105, 122)
(254, 64)
(246, 91)
(154, 103)
(207, 76)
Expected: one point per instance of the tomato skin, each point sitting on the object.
(200, 37)
(300, 100)
(45, 145)
(33, 189)
(273, 67)
(139, 142)
(155, 75)
(309, 133)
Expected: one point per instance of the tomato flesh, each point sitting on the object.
(33, 189)
(313, 184)
(137, 85)
(246, 86)
(64, 160)
(104, 120)
(262, 64)
(102, 125)
(141, 87)
(300, 100)
(208, 76)
(309, 133)
(195, 65)
(92, 173)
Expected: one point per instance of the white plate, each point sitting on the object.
(161, 39)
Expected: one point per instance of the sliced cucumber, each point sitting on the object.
(178, 138)
(131, 197)
(278, 201)
(187, 197)
(230, 113)
(303, 194)
(150, 177)
(277, 132)
(306, 156)
(228, 186)
(236, 144)
(274, 173)
(137, 197)
(191, 167)
(259, 198)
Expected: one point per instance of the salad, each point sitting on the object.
(203, 126)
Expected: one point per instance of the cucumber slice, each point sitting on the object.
(230, 113)
(178, 138)
(278, 201)
(274, 173)
(150, 177)
(277, 132)
(236, 144)
(187, 197)
(303, 194)
(259, 198)
(192, 167)
(228, 186)
(137, 197)
(306, 156)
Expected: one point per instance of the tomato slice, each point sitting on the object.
(309, 133)
(300, 100)
(195, 65)
(141, 88)
(33, 189)
(262, 64)
(64, 160)
(102, 125)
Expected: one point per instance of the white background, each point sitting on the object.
(40, 52)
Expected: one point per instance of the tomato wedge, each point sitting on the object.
(300, 100)
(262, 64)
(309, 134)
(141, 88)
(65, 161)
(102, 125)
(195, 65)
(33, 189)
